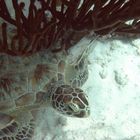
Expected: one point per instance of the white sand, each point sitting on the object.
(114, 91)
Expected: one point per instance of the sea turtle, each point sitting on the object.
(33, 82)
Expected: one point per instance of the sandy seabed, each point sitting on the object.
(113, 88)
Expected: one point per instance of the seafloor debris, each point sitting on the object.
(103, 73)
(121, 78)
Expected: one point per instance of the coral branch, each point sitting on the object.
(4, 13)
(65, 22)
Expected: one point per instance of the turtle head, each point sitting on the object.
(70, 101)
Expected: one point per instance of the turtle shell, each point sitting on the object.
(22, 90)
(21, 78)
(25, 82)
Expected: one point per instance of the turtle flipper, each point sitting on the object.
(9, 131)
(5, 120)
(8, 126)
(26, 131)
(21, 128)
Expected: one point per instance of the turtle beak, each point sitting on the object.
(83, 114)
(87, 113)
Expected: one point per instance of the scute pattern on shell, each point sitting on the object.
(28, 83)
(23, 74)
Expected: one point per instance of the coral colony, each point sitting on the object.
(64, 22)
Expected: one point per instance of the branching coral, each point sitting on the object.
(68, 21)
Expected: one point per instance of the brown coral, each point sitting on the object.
(69, 21)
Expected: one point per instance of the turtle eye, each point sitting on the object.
(73, 107)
